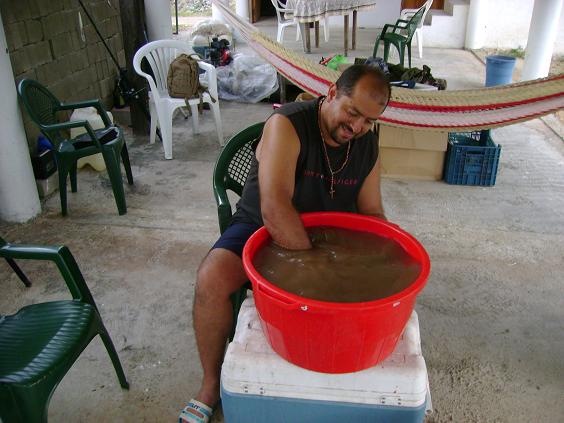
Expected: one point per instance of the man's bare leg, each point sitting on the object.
(220, 274)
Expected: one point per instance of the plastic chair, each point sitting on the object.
(41, 342)
(285, 15)
(160, 54)
(400, 36)
(231, 170)
(406, 14)
(42, 106)
(18, 271)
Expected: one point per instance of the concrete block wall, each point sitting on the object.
(45, 43)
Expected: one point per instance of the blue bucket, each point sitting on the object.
(499, 70)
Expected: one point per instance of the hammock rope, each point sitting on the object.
(456, 110)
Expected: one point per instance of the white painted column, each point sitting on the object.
(216, 12)
(542, 36)
(242, 9)
(19, 200)
(476, 25)
(159, 19)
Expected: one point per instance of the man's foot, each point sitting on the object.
(209, 392)
(195, 412)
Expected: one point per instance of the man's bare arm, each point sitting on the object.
(369, 200)
(277, 154)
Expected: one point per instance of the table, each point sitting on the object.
(307, 11)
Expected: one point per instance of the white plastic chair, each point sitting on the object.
(285, 15)
(159, 55)
(406, 14)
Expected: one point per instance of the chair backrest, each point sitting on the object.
(428, 4)
(414, 22)
(159, 54)
(41, 105)
(233, 165)
(281, 9)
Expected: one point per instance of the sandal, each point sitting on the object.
(195, 412)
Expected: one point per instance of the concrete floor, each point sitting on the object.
(491, 315)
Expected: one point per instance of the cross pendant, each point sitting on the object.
(332, 192)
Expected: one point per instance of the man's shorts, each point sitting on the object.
(235, 237)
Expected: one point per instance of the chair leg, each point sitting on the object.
(419, 34)
(195, 119)
(280, 33)
(126, 163)
(115, 358)
(386, 51)
(297, 31)
(154, 121)
(217, 119)
(165, 123)
(18, 272)
(63, 173)
(72, 173)
(114, 173)
(400, 48)
(409, 54)
(26, 405)
(376, 45)
(326, 29)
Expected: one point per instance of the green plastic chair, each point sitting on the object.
(42, 106)
(230, 173)
(21, 275)
(18, 272)
(400, 35)
(41, 342)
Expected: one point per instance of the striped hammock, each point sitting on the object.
(457, 110)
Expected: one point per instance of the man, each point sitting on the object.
(320, 155)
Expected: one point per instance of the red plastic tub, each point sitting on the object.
(335, 337)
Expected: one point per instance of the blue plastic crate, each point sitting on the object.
(472, 159)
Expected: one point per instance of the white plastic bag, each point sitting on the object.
(204, 31)
(247, 79)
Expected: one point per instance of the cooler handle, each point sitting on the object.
(273, 295)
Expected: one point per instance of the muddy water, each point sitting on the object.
(343, 266)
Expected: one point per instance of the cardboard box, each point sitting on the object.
(48, 185)
(412, 153)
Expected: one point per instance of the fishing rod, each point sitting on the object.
(125, 88)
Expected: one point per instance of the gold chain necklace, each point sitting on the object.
(331, 171)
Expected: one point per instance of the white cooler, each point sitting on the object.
(258, 386)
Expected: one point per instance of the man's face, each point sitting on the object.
(353, 116)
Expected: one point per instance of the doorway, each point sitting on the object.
(416, 4)
(260, 8)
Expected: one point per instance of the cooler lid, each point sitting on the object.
(251, 367)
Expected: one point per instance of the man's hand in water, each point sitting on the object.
(312, 256)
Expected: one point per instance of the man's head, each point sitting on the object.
(354, 102)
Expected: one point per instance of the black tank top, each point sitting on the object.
(313, 179)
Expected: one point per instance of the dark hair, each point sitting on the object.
(348, 79)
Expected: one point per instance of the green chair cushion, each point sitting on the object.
(58, 331)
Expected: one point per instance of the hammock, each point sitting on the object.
(457, 110)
